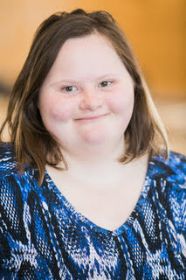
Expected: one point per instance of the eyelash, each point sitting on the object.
(66, 91)
(109, 81)
(101, 84)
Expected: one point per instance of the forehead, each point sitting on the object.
(86, 57)
(95, 40)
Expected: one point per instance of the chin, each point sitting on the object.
(95, 139)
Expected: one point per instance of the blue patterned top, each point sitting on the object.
(43, 237)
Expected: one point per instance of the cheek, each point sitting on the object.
(61, 113)
(121, 103)
(57, 110)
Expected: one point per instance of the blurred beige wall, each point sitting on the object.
(155, 28)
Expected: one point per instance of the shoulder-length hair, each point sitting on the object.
(32, 142)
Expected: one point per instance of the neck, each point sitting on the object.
(89, 157)
(100, 168)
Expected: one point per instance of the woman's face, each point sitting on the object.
(87, 97)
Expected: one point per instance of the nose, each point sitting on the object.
(91, 99)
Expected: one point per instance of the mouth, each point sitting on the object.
(89, 118)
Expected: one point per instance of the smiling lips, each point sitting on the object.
(89, 118)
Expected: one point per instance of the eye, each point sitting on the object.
(69, 89)
(104, 84)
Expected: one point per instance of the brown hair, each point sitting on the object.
(32, 142)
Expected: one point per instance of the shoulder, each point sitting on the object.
(173, 169)
(14, 184)
(16, 190)
(19, 199)
(7, 159)
(170, 174)
(169, 177)
(10, 175)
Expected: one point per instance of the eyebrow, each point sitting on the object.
(79, 80)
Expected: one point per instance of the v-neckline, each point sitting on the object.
(86, 221)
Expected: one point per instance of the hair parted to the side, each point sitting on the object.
(32, 143)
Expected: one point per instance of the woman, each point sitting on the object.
(88, 190)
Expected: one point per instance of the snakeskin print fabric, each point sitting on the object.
(43, 237)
